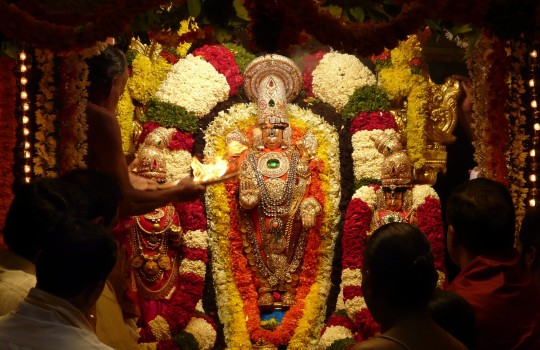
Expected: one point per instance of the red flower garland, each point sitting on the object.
(180, 140)
(378, 120)
(309, 63)
(223, 61)
(498, 128)
(8, 132)
(429, 217)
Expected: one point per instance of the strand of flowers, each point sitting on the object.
(243, 117)
(498, 133)
(46, 144)
(8, 132)
(476, 66)
(399, 81)
(517, 121)
(72, 92)
(339, 330)
(145, 78)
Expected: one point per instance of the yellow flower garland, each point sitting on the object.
(146, 78)
(399, 82)
(125, 113)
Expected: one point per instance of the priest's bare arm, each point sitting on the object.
(105, 154)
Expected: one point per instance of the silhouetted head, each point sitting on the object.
(101, 191)
(529, 240)
(77, 256)
(481, 217)
(398, 274)
(455, 315)
(37, 207)
(105, 74)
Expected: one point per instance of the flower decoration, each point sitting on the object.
(46, 114)
(147, 75)
(367, 98)
(223, 61)
(401, 82)
(236, 297)
(8, 127)
(124, 114)
(169, 114)
(194, 84)
(241, 55)
(309, 63)
(337, 76)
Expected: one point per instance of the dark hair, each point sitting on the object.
(103, 69)
(76, 255)
(102, 192)
(482, 214)
(455, 315)
(529, 235)
(37, 207)
(399, 261)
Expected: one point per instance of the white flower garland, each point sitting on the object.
(367, 194)
(337, 76)
(367, 160)
(203, 332)
(194, 84)
(178, 164)
(333, 334)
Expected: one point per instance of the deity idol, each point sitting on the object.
(275, 210)
(152, 240)
(394, 202)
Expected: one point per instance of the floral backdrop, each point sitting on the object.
(186, 70)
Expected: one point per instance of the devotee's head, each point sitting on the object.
(107, 75)
(399, 275)
(455, 315)
(529, 243)
(35, 208)
(481, 219)
(101, 192)
(75, 260)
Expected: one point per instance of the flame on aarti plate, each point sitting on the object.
(203, 172)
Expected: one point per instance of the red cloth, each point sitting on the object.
(505, 300)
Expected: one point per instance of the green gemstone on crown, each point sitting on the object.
(271, 103)
(272, 163)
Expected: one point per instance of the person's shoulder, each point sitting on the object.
(100, 115)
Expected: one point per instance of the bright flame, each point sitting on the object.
(235, 148)
(208, 172)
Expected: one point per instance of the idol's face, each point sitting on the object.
(272, 137)
(394, 200)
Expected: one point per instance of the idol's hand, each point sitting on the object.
(138, 182)
(249, 194)
(309, 210)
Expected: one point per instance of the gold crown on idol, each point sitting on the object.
(396, 169)
(271, 81)
(152, 164)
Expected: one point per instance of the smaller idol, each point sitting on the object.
(152, 240)
(394, 202)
